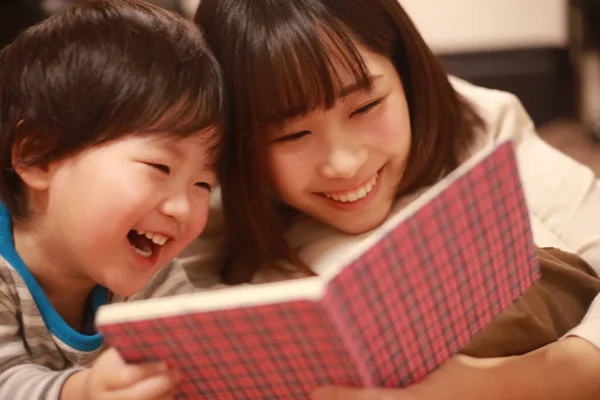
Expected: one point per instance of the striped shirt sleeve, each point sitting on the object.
(21, 379)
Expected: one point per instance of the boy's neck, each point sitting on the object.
(66, 290)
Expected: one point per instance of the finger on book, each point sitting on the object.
(158, 387)
(127, 375)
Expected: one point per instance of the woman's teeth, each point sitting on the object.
(356, 194)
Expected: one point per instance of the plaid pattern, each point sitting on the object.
(278, 351)
(436, 279)
(394, 314)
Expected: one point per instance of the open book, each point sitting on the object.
(405, 299)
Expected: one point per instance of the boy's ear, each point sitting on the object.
(36, 177)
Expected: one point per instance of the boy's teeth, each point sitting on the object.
(145, 254)
(156, 238)
(159, 239)
(353, 196)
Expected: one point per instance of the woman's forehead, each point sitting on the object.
(307, 70)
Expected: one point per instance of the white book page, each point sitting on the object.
(310, 288)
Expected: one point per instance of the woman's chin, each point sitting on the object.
(356, 225)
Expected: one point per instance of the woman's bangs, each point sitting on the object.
(305, 70)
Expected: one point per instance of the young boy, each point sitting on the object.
(109, 116)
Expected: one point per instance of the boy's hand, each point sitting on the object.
(110, 378)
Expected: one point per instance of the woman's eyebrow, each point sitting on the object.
(357, 86)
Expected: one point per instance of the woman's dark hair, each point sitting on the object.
(96, 72)
(277, 61)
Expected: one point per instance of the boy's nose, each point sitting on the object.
(177, 207)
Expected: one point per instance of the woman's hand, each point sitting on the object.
(456, 378)
(568, 369)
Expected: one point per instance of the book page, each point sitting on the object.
(310, 288)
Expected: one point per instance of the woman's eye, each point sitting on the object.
(205, 185)
(161, 167)
(292, 137)
(366, 108)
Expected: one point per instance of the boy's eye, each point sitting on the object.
(206, 186)
(161, 167)
(291, 137)
(366, 108)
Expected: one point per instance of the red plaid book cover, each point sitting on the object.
(396, 312)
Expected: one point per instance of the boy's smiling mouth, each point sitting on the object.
(147, 244)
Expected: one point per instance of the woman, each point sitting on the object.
(339, 114)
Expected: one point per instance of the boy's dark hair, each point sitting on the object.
(286, 48)
(96, 72)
